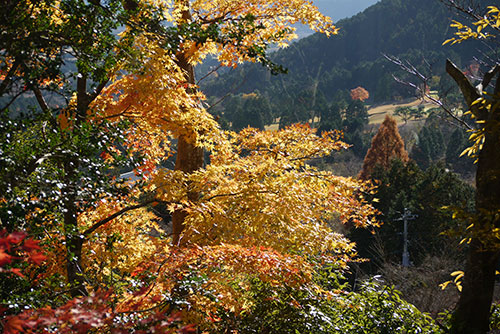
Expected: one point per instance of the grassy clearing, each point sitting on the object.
(377, 114)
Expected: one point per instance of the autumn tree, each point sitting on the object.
(57, 150)
(128, 99)
(386, 145)
(247, 31)
(236, 33)
(359, 93)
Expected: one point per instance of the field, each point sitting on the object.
(377, 114)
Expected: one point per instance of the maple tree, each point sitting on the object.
(79, 315)
(128, 100)
(387, 145)
(359, 93)
(16, 246)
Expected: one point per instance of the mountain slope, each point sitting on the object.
(408, 28)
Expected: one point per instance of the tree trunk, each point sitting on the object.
(189, 157)
(74, 239)
(473, 310)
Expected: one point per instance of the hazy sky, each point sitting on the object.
(339, 9)
(336, 9)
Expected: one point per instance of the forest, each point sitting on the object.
(188, 166)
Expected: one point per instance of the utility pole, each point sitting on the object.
(407, 215)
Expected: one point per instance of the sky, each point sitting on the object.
(337, 9)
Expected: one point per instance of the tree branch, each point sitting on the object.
(409, 68)
(231, 91)
(82, 98)
(208, 74)
(469, 92)
(11, 100)
(40, 98)
(106, 220)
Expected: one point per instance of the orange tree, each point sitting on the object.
(387, 145)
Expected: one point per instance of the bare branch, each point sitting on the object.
(40, 98)
(209, 74)
(98, 90)
(11, 100)
(411, 69)
(471, 11)
(227, 94)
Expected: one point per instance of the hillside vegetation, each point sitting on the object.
(320, 69)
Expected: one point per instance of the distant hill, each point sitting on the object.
(321, 67)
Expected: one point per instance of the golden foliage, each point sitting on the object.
(260, 201)
(275, 20)
(490, 20)
(263, 193)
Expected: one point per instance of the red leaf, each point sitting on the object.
(13, 326)
(5, 243)
(17, 271)
(188, 329)
(156, 299)
(30, 244)
(37, 257)
(4, 258)
(16, 237)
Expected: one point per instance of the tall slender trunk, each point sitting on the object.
(189, 157)
(74, 239)
(473, 310)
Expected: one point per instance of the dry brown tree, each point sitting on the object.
(387, 145)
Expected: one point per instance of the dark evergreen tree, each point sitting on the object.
(457, 143)
(430, 145)
(424, 193)
(356, 116)
(331, 118)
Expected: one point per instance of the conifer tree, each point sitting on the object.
(386, 145)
